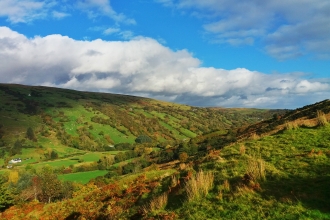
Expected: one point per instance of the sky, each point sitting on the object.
(225, 53)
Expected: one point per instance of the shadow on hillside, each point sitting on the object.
(312, 191)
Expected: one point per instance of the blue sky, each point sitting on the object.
(229, 53)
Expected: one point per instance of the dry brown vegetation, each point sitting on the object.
(199, 185)
(156, 204)
(321, 118)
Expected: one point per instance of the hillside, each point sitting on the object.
(276, 168)
(61, 118)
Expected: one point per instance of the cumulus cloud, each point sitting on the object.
(143, 66)
(287, 28)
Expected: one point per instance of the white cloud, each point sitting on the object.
(123, 34)
(142, 66)
(110, 31)
(60, 15)
(103, 7)
(281, 25)
(23, 10)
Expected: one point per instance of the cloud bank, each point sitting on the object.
(287, 29)
(143, 66)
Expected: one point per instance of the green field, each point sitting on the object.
(82, 177)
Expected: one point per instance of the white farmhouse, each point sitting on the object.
(16, 160)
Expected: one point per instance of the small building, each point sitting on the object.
(16, 160)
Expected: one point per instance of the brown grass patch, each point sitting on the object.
(242, 149)
(291, 125)
(199, 185)
(321, 119)
(156, 204)
(256, 169)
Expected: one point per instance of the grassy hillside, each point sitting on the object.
(274, 169)
(68, 122)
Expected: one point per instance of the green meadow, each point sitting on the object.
(82, 177)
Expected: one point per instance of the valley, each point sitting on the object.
(115, 156)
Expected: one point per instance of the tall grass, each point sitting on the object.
(291, 125)
(156, 204)
(254, 136)
(242, 149)
(199, 185)
(321, 118)
(256, 169)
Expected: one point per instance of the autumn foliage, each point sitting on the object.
(90, 202)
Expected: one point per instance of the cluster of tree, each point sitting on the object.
(27, 186)
(122, 156)
(143, 139)
(134, 167)
(96, 200)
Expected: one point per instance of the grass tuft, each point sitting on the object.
(242, 150)
(254, 136)
(256, 169)
(321, 119)
(291, 125)
(226, 186)
(156, 204)
(199, 185)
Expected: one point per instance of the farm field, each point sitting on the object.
(82, 177)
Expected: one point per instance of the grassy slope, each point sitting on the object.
(68, 106)
(70, 113)
(297, 164)
(294, 166)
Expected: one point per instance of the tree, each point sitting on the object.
(50, 184)
(30, 134)
(143, 139)
(106, 162)
(24, 187)
(67, 190)
(6, 197)
(16, 149)
(53, 155)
